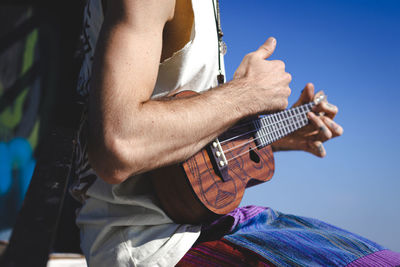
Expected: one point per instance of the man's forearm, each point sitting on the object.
(161, 132)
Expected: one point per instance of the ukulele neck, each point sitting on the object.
(270, 128)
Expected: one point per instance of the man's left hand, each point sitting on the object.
(320, 129)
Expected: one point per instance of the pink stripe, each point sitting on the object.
(380, 258)
(214, 254)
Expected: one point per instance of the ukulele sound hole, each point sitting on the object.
(254, 156)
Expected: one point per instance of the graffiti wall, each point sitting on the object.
(36, 69)
(20, 97)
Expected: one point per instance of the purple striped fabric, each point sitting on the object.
(227, 223)
(288, 240)
(242, 215)
(380, 258)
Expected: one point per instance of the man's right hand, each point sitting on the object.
(264, 83)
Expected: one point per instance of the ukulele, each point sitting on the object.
(212, 182)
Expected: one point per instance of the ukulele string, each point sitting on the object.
(243, 153)
(279, 123)
(259, 137)
(302, 112)
(245, 124)
(298, 108)
(249, 132)
(309, 105)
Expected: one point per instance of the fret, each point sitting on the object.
(265, 126)
(280, 127)
(276, 118)
(266, 141)
(267, 138)
(277, 127)
(296, 110)
(262, 139)
(286, 123)
(272, 125)
(283, 128)
(281, 124)
(296, 118)
(262, 132)
(268, 128)
(290, 121)
(301, 116)
(277, 131)
(305, 110)
(271, 128)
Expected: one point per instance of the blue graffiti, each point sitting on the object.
(5, 169)
(16, 166)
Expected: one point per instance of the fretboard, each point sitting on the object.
(270, 128)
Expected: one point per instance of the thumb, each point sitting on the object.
(266, 50)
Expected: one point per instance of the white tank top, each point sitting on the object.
(123, 224)
(194, 67)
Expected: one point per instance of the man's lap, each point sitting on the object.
(265, 236)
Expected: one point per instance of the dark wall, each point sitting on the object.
(38, 72)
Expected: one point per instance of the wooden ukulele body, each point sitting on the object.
(194, 192)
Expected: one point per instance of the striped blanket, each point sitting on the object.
(257, 236)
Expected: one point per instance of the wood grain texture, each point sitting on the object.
(193, 192)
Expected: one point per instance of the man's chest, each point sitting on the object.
(177, 32)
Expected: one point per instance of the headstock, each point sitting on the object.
(320, 98)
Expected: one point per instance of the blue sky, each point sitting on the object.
(351, 50)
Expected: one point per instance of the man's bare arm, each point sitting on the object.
(128, 132)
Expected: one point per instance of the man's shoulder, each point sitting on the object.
(137, 12)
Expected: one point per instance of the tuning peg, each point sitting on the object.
(320, 98)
